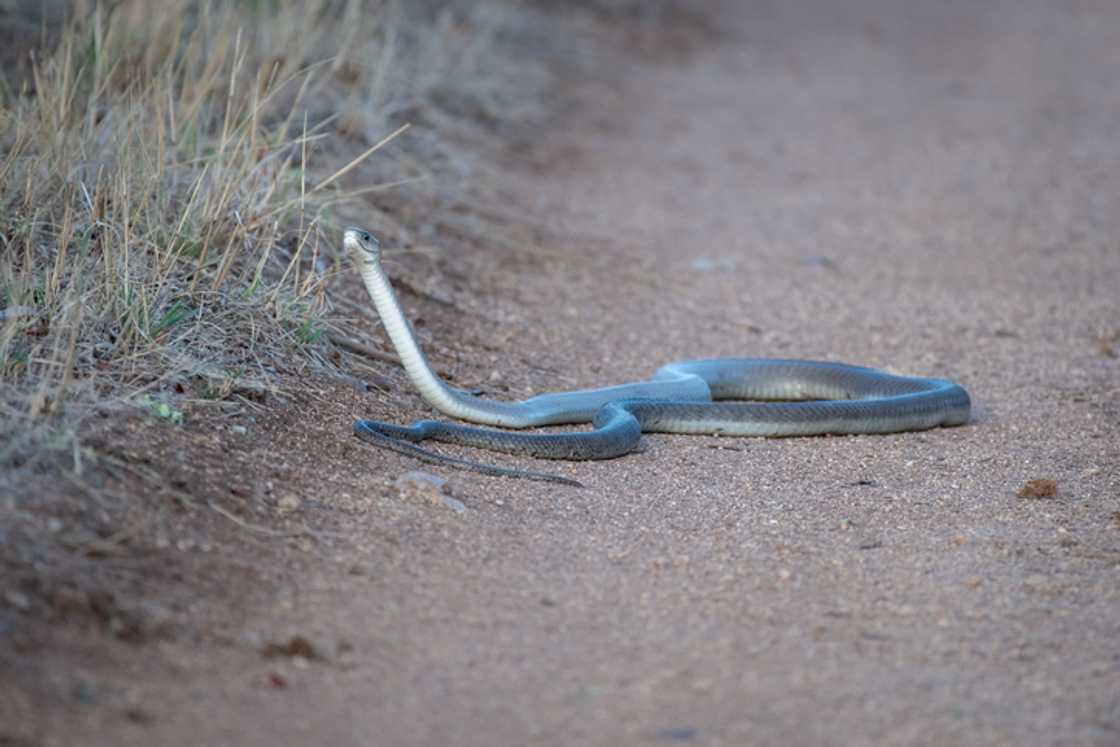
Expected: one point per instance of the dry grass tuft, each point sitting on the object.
(153, 170)
(168, 175)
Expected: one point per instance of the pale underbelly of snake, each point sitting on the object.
(786, 398)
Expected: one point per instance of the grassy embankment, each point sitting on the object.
(169, 181)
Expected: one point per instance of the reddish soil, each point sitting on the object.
(927, 188)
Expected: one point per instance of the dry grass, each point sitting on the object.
(169, 176)
(173, 177)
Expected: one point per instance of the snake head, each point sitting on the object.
(362, 245)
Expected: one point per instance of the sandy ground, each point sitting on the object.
(927, 188)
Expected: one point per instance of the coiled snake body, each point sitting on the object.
(813, 398)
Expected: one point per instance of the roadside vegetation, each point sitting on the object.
(174, 177)
(171, 175)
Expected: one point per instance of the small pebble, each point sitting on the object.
(138, 715)
(17, 599)
(295, 647)
(454, 504)
(288, 503)
(417, 484)
(1040, 488)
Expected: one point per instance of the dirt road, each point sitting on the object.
(931, 190)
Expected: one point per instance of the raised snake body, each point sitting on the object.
(812, 397)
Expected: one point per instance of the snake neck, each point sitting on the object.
(545, 409)
(434, 391)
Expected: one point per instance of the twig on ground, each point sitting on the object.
(299, 531)
(362, 349)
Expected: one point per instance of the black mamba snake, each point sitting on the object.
(808, 398)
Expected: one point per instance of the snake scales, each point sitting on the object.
(807, 398)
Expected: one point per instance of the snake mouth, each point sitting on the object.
(361, 243)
